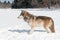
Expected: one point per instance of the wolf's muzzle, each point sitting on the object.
(20, 17)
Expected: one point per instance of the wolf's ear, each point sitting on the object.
(23, 11)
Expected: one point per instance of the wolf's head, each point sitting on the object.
(23, 14)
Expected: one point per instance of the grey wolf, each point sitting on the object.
(33, 21)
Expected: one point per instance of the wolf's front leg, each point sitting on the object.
(31, 31)
(32, 26)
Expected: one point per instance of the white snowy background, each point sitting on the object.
(12, 28)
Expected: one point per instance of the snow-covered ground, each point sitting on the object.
(12, 28)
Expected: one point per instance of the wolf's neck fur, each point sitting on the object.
(28, 17)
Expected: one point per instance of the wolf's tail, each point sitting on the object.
(52, 27)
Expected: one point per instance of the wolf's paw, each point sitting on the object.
(30, 32)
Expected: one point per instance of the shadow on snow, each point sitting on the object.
(20, 31)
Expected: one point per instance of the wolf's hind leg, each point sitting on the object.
(46, 29)
(52, 29)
